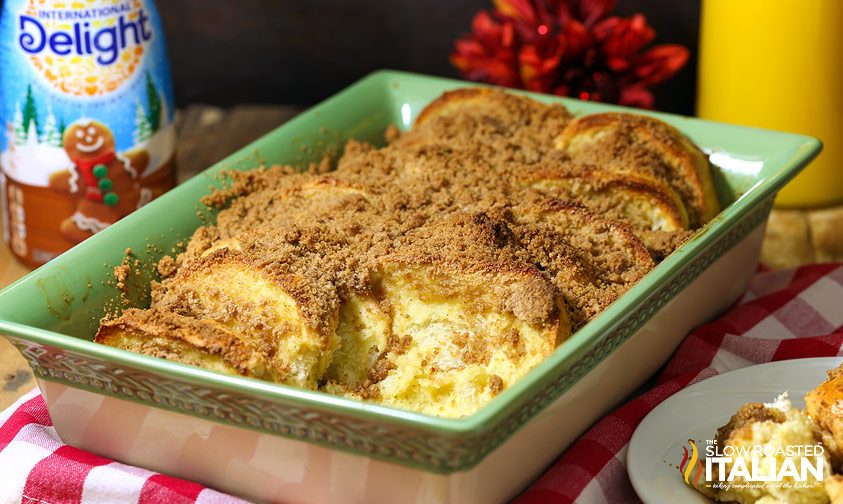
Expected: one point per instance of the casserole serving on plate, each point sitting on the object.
(267, 441)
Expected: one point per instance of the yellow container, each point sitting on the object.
(779, 64)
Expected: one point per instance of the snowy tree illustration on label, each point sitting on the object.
(86, 101)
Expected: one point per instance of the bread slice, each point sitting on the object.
(202, 343)
(591, 260)
(640, 200)
(639, 144)
(502, 126)
(311, 201)
(466, 318)
(322, 202)
(289, 313)
(652, 209)
(494, 104)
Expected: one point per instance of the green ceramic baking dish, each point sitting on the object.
(52, 314)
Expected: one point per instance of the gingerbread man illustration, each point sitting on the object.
(106, 182)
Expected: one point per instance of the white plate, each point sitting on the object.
(655, 449)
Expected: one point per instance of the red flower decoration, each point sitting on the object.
(567, 47)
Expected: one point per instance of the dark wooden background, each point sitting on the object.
(301, 51)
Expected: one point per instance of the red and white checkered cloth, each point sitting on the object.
(37, 468)
(784, 315)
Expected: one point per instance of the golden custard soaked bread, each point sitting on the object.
(825, 405)
(773, 428)
(428, 274)
(465, 317)
(639, 144)
(442, 326)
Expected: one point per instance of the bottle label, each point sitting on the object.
(87, 126)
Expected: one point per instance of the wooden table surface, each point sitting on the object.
(208, 134)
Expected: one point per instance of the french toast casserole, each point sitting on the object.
(433, 272)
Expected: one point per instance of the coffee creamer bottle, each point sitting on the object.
(86, 114)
